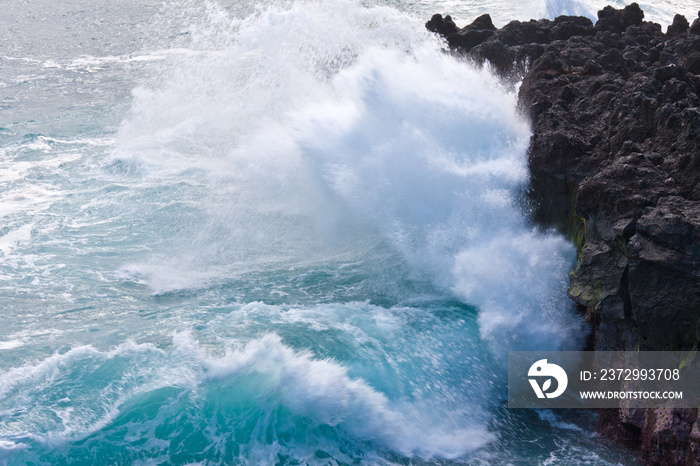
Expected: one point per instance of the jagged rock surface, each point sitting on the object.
(615, 163)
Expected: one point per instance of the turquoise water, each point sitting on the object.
(261, 233)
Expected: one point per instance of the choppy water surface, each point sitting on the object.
(281, 232)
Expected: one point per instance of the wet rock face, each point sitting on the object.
(680, 26)
(664, 273)
(617, 21)
(615, 163)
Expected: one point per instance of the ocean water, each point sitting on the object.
(271, 232)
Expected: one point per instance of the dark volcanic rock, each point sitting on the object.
(680, 26)
(617, 21)
(664, 273)
(443, 26)
(615, 163)
(482, 22)
(695, 28)
(666, 436)
(466, 38)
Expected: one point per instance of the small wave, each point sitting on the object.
(28, 198)
(166, 278)
(554, 8)
(8, 448)
(259, 390)
(11, 344)
(556, 421)
(11, 240)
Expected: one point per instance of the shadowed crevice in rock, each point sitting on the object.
(615, 165)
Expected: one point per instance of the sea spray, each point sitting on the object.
(325, 127)
(554, 8)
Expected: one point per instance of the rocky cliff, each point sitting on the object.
(615, 163)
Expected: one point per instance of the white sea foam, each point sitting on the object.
(554, 8)
(68, 403)
(327, 125)
(556, 421)
(317, 390)
(8, 447)
(11, 240)
(31, 198)
(322, 391)
(11, 344)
